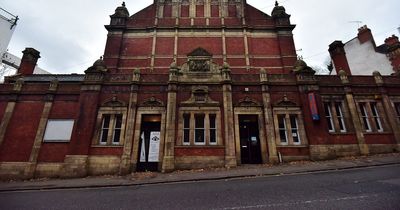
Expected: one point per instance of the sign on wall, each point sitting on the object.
(143, 149)
(154, 148)
(313, 106)
(58, 130)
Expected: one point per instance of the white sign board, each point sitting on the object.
(154, 149)
(58, 130)
(143, 149)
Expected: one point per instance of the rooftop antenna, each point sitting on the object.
(358, 22)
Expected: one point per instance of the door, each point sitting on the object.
(250, 148)
(149, 143)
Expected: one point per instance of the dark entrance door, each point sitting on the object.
(151, 125)
(249, 139)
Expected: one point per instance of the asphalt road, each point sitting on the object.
(367, 188)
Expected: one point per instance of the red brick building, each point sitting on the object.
(191, 84)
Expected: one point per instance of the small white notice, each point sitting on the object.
(143, 149)
(154, 148)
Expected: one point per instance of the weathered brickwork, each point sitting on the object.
(214, 84)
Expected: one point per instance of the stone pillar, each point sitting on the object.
(10, 109)
(42, 127)
(390, 112)
(168, 164)
(268, 118)
(75, 163)
(364, 150)
(125, 166)
(230, 152)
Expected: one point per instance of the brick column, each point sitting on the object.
(170, 134)
(230, 152)
(125, 166)
(42, 127)
(390, 112)
(268, 118)
(364, 150)
(9, 109)
(75, 162)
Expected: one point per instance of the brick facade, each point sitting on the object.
(220, 82)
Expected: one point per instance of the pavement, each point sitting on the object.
(148, 178)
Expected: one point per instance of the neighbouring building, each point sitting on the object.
(361, 56)
(191, 84)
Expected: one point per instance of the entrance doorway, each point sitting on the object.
(250, 148)
(149, 144)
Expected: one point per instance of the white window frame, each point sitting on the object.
(329, 116)
(296, 129)
(213, 129)
(287, 112)
(285, 129)
(51, 124)
(197, 128)
(113, 112)
(186, 128)
(397, 110)
(376, 117)
(364, 116)
(340, 116)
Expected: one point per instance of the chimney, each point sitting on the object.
(338, 55)
(393, 47)
(364, 35)
(28, 61)
(392, 41)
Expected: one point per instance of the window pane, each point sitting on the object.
(118, 121)
(117, 135)
(199, 136)
(104, 134)
(281, 121)
(339, 113)
(293, 121)
(186, 135)
(397, 106)
(328, 115)
(213, 136)
(212, 120)
(199, 120)
(282, 136)
(186, 121)
(105, 128)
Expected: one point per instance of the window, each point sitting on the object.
(335, 117)
(199, 137)
(397, 108)
(111, 129)
(213, 129)
(329, 118)
(340, 117)
(282, 129)
(364, 117)
(376, 117)
(371, 117)
(295, 129)
(289, 127)
(186, 129)
(199, 128)
(58, 130)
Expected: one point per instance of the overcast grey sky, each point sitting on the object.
(70, 33)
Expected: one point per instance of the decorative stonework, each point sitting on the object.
(248, 102)
(200, 97)
(114, 102)
(286, 102)
(152, 102)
